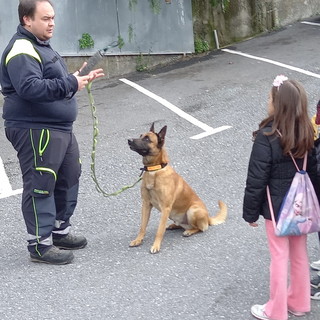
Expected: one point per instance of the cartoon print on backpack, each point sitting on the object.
(294, 222)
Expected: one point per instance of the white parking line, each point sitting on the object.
(5, 186)
(311, 23)
(207, 129)
(287, 66)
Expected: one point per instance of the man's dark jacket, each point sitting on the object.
(29, 101)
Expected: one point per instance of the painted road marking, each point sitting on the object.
(287, 66)
(207, 129)
(5, 186)
(311, 23)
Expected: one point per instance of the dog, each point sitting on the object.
(165, 190)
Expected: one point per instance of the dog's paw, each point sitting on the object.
(155, 249)
(190, 232)
(135, 243)
(173, 226)
(216, 222)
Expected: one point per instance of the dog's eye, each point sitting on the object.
(146, 138)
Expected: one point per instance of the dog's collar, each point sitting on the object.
(153, 168)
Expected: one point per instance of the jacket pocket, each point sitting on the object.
(43, 182)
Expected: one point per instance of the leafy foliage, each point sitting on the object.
(132, 4)
(86, 41)
(155, 6)
(201, 45)
(223, 3)
(142, 63)
(130, 32)
(120, 42)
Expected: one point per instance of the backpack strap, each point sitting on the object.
(305, 162)
(271, 209)
(304, 167)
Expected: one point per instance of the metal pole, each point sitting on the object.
(216, 39)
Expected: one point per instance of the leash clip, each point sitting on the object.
(142, 170)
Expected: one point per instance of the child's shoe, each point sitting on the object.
(297, 313)
(316, 264)
(315, 281)
(258, 312)
(315, 293)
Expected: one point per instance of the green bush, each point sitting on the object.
(201, 45)
(86, 41)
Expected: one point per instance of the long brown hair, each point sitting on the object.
(291, 118)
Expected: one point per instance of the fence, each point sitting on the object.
(144, 26)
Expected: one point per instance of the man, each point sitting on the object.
(39, 110)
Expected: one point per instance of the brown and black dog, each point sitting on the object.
(167, 191)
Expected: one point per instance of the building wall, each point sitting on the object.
(289, 11)
(241, 19)
(145, 26)
(154, 35)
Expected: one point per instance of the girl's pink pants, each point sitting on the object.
(289, 259)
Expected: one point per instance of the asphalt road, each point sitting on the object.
(218, 274)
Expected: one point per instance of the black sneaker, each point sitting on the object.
(315, 281)
(315, 294)
(70, 242)
(53, 256)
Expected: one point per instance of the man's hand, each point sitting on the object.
(95, 74)
(84, 80)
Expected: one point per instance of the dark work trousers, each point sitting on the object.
(50, 166)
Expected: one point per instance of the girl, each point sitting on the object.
(315, 281)
(270, 164)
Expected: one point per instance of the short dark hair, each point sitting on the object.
(28, 8)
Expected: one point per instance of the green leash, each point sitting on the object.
(94, 145)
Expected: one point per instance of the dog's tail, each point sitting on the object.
(221, 216)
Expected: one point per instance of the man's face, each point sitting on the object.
(42, 24)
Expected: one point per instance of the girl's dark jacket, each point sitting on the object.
(268, 166)
(39, 91)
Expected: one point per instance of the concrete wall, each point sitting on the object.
(294, 10)
(239, 20)
(245, 18)
(144, 26)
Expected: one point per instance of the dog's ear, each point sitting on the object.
(161, 136)
(152, 127)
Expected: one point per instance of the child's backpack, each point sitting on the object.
(300, 211)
